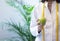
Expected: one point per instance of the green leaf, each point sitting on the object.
(25, 11)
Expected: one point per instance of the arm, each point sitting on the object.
(35, 28)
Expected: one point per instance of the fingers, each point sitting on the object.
(38, 22)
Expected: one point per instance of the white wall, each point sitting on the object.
(7, 12)
(31, 2)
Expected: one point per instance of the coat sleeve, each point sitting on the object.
(33, 25)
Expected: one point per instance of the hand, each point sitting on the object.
(40, 26)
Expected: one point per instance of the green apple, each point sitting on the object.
(42, 20)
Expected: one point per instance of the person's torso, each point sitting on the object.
(50, 26)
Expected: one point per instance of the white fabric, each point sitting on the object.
(50, 26)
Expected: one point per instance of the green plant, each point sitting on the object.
(17, 28)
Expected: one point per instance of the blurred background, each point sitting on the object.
(15, 18)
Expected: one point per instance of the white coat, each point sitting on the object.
(50, 26)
